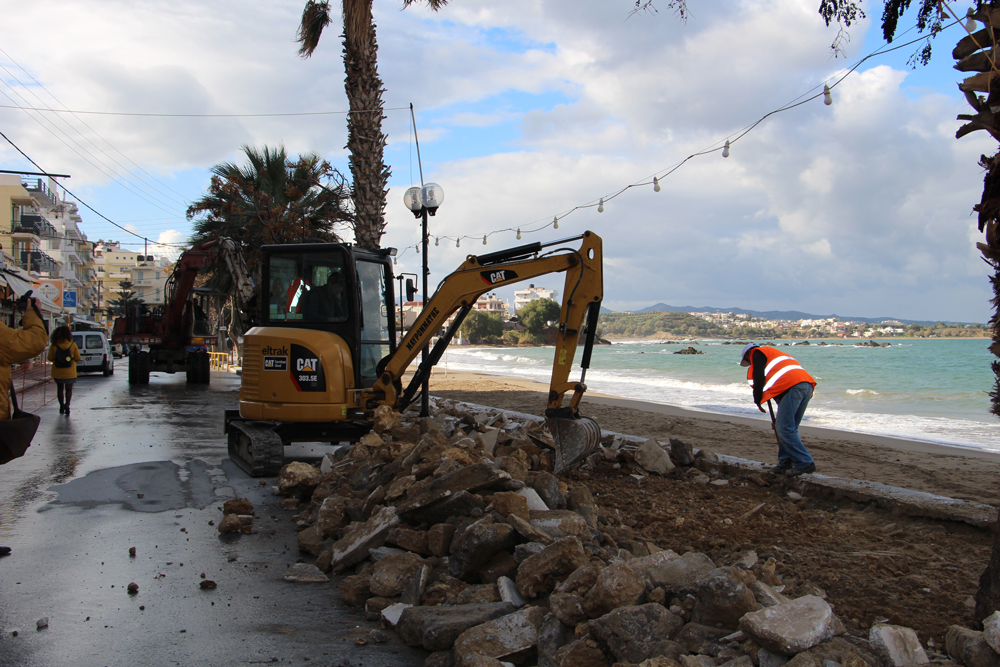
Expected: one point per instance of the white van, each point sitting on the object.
(95, 353)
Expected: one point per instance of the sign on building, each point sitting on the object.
(69, 299)
(51, 290)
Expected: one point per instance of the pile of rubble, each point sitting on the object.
(452, 530)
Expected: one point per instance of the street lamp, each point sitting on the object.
(423, 202)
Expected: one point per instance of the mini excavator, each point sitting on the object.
(325, 355)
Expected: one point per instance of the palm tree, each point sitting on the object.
(365, 141)
(270, 200)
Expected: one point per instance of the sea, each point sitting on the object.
(935, 390)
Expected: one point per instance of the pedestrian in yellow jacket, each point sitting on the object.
(18, 345)
(63, 353)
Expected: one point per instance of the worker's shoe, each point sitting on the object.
(4, 551)
(795, 472)
(782, 467)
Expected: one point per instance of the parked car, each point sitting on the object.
(95, 353)
(117, 350)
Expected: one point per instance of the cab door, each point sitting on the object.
(373, 294)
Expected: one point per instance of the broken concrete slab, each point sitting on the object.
(968, 647)
(723, 598)
(305, 573)
(792, 627)
(540, 573)
(651, 456)
(354, 545)
(437, 628)
(477, 545)
(535, 501)
(617, 586)
(897, 645)
(637, 633)
(500, 637)
(560, 523)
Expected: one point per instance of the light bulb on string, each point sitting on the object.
(600, 206)
(518, 233)
(725, 149)
(418, 248)
(970, 22)
(395, 261)
(656, 184)
(484, 239)
(827, 97)
(437, 240)
(458, 242)
(555, 222)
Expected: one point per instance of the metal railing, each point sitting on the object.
(32, 380)
(219, 361)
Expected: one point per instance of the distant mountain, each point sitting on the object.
(791, 315)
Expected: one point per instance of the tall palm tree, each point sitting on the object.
(365, 141)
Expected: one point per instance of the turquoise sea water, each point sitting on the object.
(935, 390)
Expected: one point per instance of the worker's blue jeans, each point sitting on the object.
(790, 410)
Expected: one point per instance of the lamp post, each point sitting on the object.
(423, 202)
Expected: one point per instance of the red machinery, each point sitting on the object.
(169, 331)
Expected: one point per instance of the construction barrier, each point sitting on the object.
(219, 361)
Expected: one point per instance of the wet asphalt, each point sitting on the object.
(146, 467)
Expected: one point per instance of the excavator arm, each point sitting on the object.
(583, 292)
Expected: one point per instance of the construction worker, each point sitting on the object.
(774, 374)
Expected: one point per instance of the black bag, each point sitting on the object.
(63, 358)
(16, 433)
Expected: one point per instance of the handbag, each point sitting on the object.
(16, 433)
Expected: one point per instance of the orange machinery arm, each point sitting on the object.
(582, 295)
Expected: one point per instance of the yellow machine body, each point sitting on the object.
(297, 375)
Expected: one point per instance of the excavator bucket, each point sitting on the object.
(575, 438)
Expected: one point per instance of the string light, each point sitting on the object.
(437, 241)
(726, 149)
(970, 22)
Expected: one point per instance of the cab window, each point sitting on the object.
(374, 316)
(310, 286)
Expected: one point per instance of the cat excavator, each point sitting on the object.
(325, 356)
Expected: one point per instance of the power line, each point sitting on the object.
(204, 115)
(91, 208)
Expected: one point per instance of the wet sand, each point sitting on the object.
(955, 472)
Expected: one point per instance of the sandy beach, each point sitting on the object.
(955, 472)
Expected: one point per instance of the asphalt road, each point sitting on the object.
(146, 467)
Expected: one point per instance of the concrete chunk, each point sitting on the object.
(354, 545)
(991, 630)
(501, 637)
(792, 627)
(617, 586)
(436, 628)
(560, 523)
(969, 648)
(638, 633)
(539, 573)
(653, 458)
(897, 645)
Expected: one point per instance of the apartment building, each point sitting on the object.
(525, 296)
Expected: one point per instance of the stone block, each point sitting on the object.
(535, 501)
(969, 648)
(547, 486)
(508, 592)
(678, 576)
(354, 545)
(436, 628)
(298, 479)
(393, 573)
(529, 532)
(474, 548)
(681, 452)
(581, 653)
(310, 540)
(508, 502)
(540, 573)
(332, 515)
(385, 418)
(581, 581)
(470, 478)
(354, 590)
(792, 627)
(500, 637)
(410, 540)
(439, 538)
(616, 586)
(392, 613)
(651, 456)
(568, 608)
(723, 598)
(896, 645)
(991, 630)
(560, 523)
(637, 633)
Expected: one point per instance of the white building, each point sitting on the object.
(526, 296)
(493, 305)
(149, 278)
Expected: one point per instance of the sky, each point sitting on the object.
(528, 110)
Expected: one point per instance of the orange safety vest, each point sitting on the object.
(781, 373)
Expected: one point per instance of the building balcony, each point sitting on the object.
(40, 191)
(38, 262)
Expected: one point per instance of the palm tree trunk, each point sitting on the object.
(365, 141)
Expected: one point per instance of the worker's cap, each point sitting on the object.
(744, 360)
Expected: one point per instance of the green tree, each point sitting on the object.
(480, 325)
(127, 298)
(535, 314)
(271, 199)
(365, 141)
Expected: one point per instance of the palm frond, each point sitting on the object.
(315, 17)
